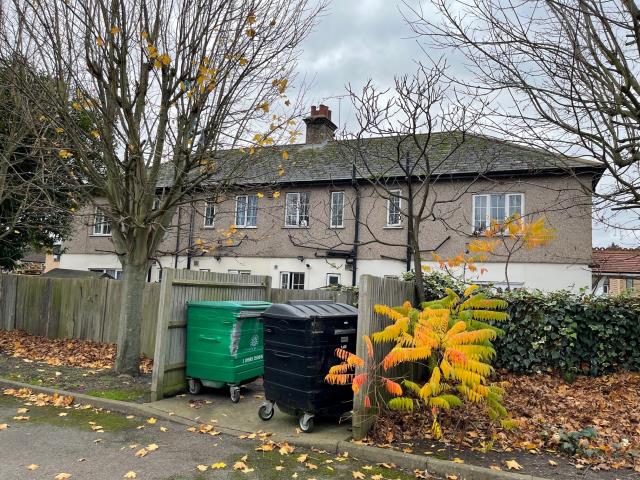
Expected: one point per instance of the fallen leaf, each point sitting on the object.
(141, 453)
(512, 465)
(458, 460)
(202, 468)
(3, 426)
(552, 463)
(311, 466)
(218, 465)
(62, 476)
(358, 475)
(279, 468)
(152, 447)
(164, 429)
(23, 410)
(152, 421)
(130, 474)
(63, 414)
(302, 458)
(33, 466)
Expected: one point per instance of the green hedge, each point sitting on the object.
(573, 334)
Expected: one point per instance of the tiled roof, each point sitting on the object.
(616, 260)
(373, 157)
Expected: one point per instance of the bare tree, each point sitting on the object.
(165, 87)
(408, 138)
(565, 74)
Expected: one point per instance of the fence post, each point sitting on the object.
(162, 335)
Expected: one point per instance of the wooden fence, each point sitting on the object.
(176, 289)
(280, 295)
(374, 290)
(84, 308)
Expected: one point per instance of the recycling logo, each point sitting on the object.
(254, 341)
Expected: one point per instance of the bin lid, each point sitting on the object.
(312, 309)
(231, 305)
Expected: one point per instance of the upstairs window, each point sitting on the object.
(297, 210)
(101, 226)
(495, 207)
(394, 204)
(337, 210)
(209, 214)
(246, 211)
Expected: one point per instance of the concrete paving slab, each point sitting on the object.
(215, 407)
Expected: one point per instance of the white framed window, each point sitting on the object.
(246, 211)
(240, 272)
(495, 207)
(292, 280)
(113, 272)
(394, 204)
(337, 210)
(101, 226)
(333, 279)
(209, 214)
(296, 208)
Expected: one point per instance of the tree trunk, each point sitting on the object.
(128, 355)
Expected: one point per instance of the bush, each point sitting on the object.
(573, 334)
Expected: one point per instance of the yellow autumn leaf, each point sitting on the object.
(141, 453)
(202, 468)
(76, 106)
(23, 410)
(512, 465)
(286, 449)
(311, 466)
(302, 458)
(3, 426)
(250, 32)
(458, 460)
(62, 476)
(63, 414)
(114, 30)
(144, 34)
(279, 468)
(276, 194)
(152, 420)
(95, 134)
(33, 466)
(259, 194)
(164, 429)
(100, 42)
(152, 447)
(165, 59)
(243, 61)
(130, 474)
(358, 475)
(59, 129)
(251, 19)
(285, 155)
(218, 465)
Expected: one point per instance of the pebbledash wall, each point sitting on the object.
(270, 248)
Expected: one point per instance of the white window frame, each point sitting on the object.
(101, 228)
(289, 283)
(333, 206)
(243, 223)
(209, 214)
(488, 196)
(117, 273)
(239, 272)
(394, 194)
(329, 276)
(298, 214)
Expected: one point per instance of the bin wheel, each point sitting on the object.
(306, 423)
(235, 394)
(195, 386)
(265, 413)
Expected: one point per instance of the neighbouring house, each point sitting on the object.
(315, 219)
(33, 263)
(616, 270)
(68, 273)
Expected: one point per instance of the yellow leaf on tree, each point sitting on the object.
(243, 61)
(114, 30)
(250, 32)
(100, 41)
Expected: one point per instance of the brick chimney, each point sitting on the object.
(320, 128)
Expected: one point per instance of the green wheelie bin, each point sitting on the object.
(224, 344)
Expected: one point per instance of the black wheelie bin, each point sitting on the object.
(300, 339)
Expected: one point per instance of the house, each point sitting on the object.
(334, 210)
(68, 273)
(616, 270)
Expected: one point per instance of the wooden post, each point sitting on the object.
(162, 334)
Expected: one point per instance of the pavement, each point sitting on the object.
(234, 421)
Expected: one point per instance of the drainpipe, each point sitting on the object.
(409, 213)
(191, 221)
(177, 252)
(356, 234)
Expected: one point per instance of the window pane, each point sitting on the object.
(252, 211)
(337, 209)
(497, 208)
(333, 279)
(304, 210)
(297, 281)
(291, 209)
(209, 212)
(241, 211)
(393, 208)
(515, 205)
(480, 213)
(284, 280)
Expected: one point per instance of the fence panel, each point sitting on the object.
(282, 295)
(84, 308)
(374, 290)
(176, 289)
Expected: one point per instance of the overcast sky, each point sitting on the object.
(358, 40)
